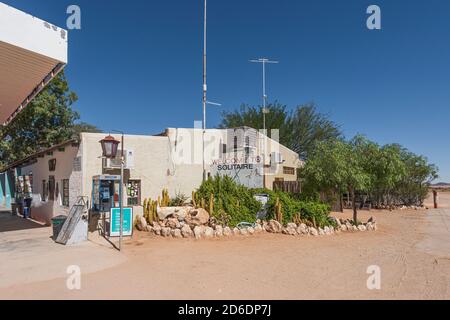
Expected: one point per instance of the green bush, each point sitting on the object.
(317, 213)
(292, 207)
(232, 203)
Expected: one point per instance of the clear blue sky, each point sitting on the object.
(136, 64)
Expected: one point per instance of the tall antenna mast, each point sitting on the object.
(205, 88)
(263, 61)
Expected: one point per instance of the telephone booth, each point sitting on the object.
(105, 195)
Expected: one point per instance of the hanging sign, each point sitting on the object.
(127, 229)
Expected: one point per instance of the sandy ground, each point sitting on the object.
(412, 249)
(28, 254)
(443, 200)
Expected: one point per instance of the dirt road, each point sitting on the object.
(412, 249)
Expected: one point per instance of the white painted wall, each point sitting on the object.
(30, 33)
(187, 148)
(173, 161)
(151, 162)
(45, 210)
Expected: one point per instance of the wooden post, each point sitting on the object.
(435, 199)
(355, 210)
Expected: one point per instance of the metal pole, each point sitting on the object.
(264, 122)
(121, 195)
(264, 95)
(263, 61)
(204, 92)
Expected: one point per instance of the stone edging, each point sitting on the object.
(173, 228)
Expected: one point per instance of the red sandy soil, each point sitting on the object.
(411, 247)
(443, 200)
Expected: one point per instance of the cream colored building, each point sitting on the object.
(172, 160)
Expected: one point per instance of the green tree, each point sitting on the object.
(389, 170)
(337, 165)
(299, 129)
(86, 127)
(250, 116)
(388, 175)
(306, 127)
(46, 121)
(412, 189)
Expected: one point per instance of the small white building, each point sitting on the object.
(172, 160)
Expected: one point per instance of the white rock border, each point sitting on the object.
(178, 228)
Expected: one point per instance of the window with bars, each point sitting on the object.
(65, 192)
(44, 191)
(247, 148)
(51, 188)
(289, 170)
(52, 165)
(134, 193)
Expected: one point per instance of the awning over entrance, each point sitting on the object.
(32, 52)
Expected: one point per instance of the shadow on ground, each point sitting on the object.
(9, 222)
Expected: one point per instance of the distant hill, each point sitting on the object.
(441, 185)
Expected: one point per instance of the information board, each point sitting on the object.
(127, 229)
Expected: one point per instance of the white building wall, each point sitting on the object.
(43, 211)
(172, 161)
(151, 163)
(187, 149)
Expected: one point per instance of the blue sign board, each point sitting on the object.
(127, 228)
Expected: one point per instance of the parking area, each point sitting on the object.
(28, 253)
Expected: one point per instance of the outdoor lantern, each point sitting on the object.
(109, 146)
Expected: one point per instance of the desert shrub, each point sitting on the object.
(314, 212)
(227, 201)
(289, 206)
(230, 203)
(389, 175)
(179, 200)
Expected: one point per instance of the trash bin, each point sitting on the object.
(57, 223)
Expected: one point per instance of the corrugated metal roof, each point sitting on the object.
(33, 156)
(30, 56)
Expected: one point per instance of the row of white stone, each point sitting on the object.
(272, 226)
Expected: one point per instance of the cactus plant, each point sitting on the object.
(203, 203)
(194, 196)
(211, 204)
(164, 199)
(144, 206)
(297, 219)
(278, 211)
(150, 210)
